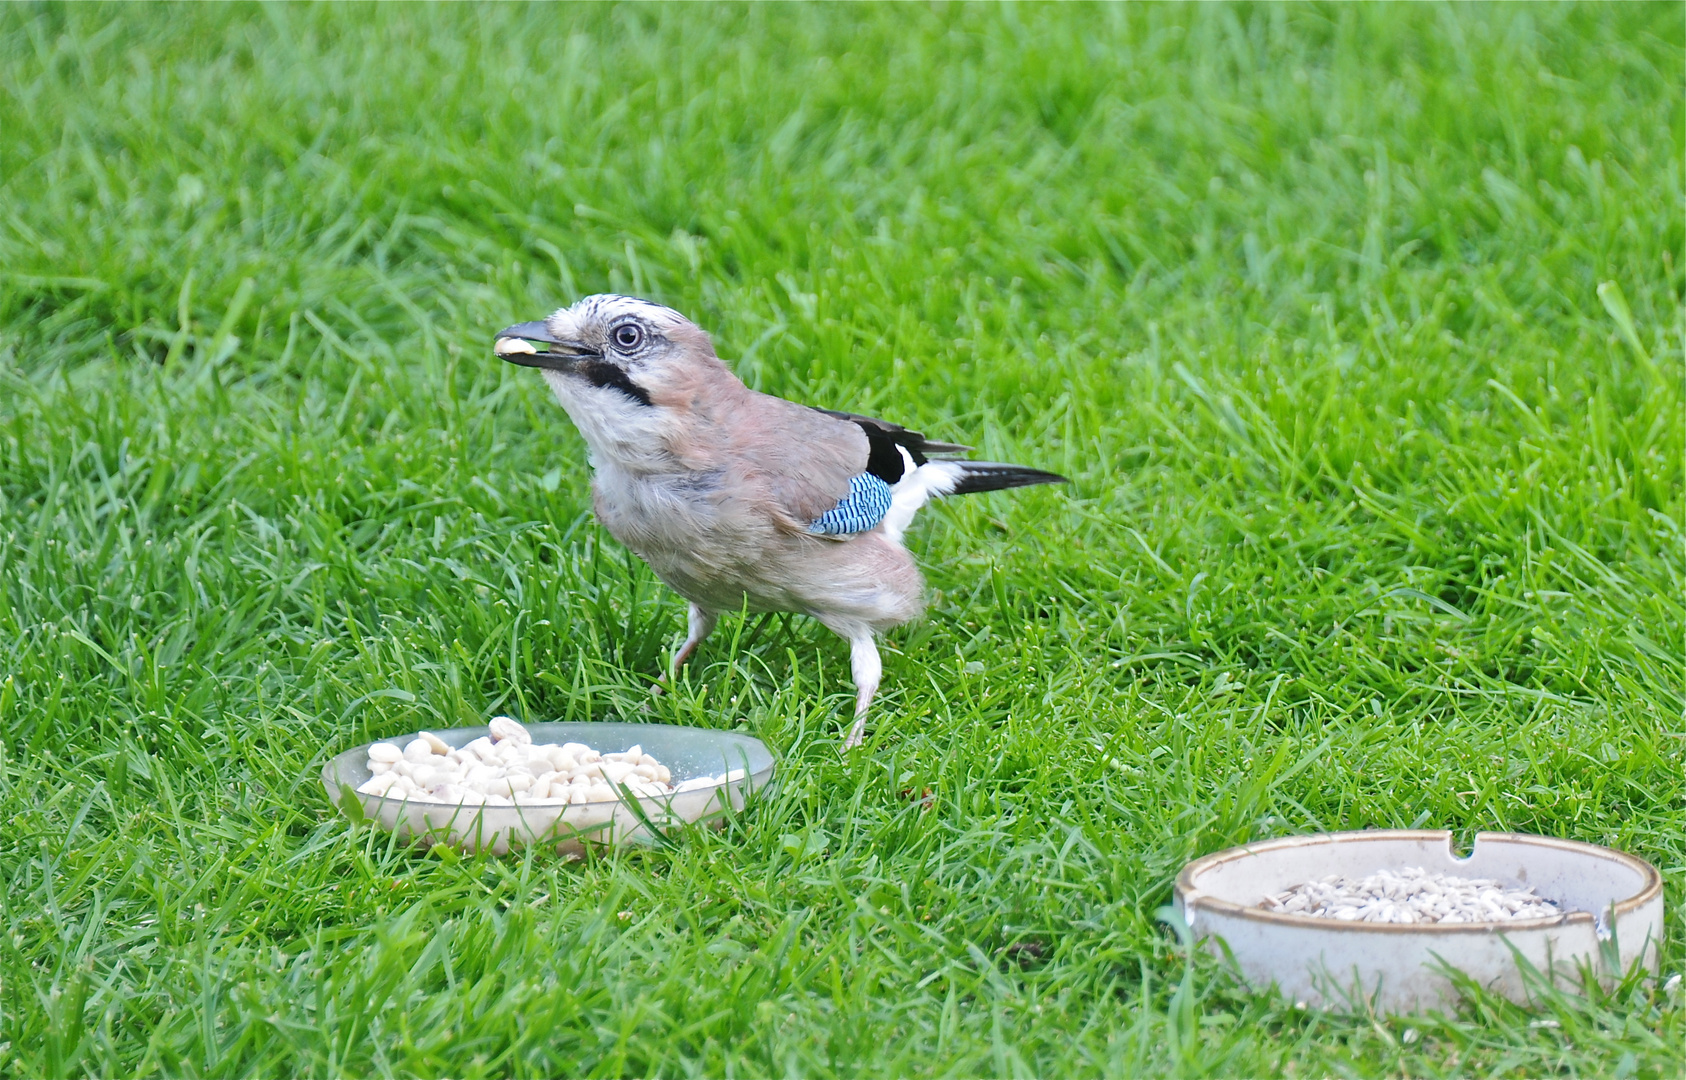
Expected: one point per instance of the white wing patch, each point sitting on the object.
(917, 485)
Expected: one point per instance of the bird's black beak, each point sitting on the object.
(517, 345)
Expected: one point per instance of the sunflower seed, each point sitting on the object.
(1408, 896)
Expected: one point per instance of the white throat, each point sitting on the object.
(620, 431)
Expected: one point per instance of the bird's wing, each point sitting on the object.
(893, 452)
(866, 505)
(803, 460)
(829, 473)
(886, 441)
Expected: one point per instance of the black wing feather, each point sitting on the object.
(883, 459)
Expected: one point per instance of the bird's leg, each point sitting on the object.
(700, 622)
(868, 670)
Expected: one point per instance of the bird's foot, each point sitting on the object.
(868, 670)
(700, 623)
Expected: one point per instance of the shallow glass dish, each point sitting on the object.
(1612, 917)
(687, 752)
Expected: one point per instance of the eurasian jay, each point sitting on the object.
(738, 499)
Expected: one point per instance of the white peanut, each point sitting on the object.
(505, 729)
(378, 785)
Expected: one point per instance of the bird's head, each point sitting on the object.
(631, 374)
(616, 346)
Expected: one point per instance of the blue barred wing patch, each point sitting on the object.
(865, 506)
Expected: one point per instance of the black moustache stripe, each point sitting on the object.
(602, 373)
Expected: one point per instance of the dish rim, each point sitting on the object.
(358, 756)
(1193, 897)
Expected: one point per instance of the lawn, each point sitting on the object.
(1357, 328)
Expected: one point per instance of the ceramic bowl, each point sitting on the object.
(1612, 918)
(687, 752)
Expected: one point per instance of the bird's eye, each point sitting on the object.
(627, 336)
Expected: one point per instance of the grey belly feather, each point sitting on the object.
(724, 553)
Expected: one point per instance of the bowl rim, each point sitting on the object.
(332, 782)
(1192, 896)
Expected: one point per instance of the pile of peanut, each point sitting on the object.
(1410, 896)
(506, 768)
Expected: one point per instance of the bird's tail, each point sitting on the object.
(975, 476)
(945, 476)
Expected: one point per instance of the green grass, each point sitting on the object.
(1358, 329)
